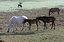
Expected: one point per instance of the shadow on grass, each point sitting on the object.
(24, 33)
(18, 33)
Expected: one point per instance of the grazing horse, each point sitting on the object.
(30, 22)
(54, 10)
(47, 19)
(19, 5)
(16, 20)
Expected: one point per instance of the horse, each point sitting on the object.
(54, 10)
(19, 5)
(30, 22)
(47, 19)
(1, 41)
(16, 20)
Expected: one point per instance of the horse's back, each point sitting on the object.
(54, 9)
(46, 18)
(49, 17)
(18, 19)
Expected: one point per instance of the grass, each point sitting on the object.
(41, 35)
(34, 36)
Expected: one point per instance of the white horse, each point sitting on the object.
(15, 20)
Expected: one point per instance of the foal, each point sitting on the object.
(30, 22)
(47, 19)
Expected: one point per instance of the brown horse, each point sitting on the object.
(47, 19)
(30, 22)
(54, 10)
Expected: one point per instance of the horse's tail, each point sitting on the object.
(54, 19)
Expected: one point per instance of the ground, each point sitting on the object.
(48, 35)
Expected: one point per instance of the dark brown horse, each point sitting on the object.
(47, 19)
(30, 22)
(52, 10)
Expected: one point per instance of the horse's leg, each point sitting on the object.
(58, 12)
(37, 25)
(23, 26)
(49, 13)
(44, 25)
(8, 29)
(29, 26)
(14, 27)
(54, 25)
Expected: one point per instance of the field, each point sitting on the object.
(41, 35)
